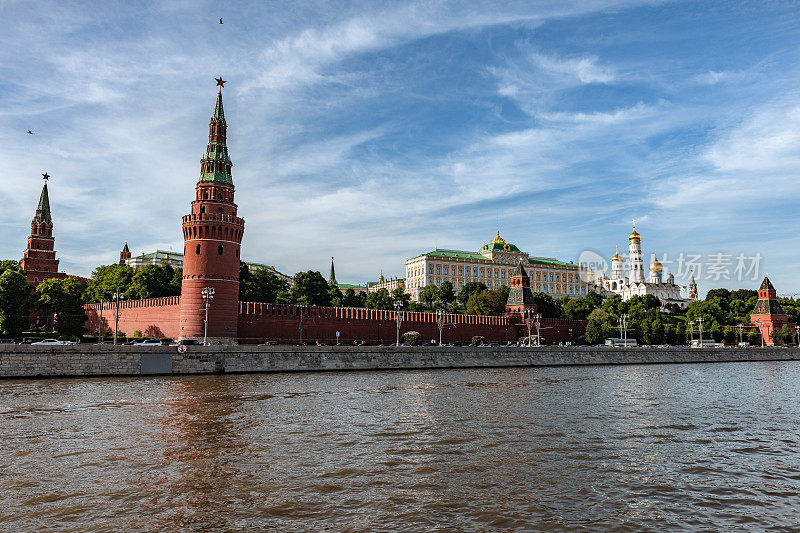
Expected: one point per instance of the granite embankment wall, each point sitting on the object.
(94, 360)
(260, 322)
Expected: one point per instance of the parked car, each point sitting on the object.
(50, 342)
(270, 343)
(149, 342)
(186, 342)
(7, 341)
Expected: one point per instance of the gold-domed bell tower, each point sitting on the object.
(636, 266)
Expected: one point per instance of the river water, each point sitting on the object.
(628, 448)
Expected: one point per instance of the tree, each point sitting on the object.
(9, 264)
(310, 288)
(728, 335)
(429, 294)
(754, 337)
(445, 293)
(153, 281)
(400, 295)
(64, 297)
(353, 299)
(580, 308)
(546, 305)
(260, 285)
(108, 279)
(335, 295)
(725, 294)
(488, 302)
(380, 299)
(777, 337)
(743, 294)
(16, 299)
(614, 305)
(473, 287)
(600, 326)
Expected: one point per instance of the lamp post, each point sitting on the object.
(117, 297)
(538, 320)
(100, 325)
(797, 329)
(302, 308)
(529, 323)
(440, 323)
(570, 336)
(398, 315)
(208, 295)
(740, 326)
(691, 331)
(623, 328)
(700, 330)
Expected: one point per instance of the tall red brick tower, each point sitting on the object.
(520, 297)
(768, 314)
(39, 261)
(212, 235)
(124, 254)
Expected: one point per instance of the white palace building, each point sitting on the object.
(493, 265)
(633, 283)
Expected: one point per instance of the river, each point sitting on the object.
(626, 448)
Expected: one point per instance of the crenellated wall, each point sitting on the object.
(154, 317)
(260, 322)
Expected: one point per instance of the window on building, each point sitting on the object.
(202, 209)
(219, 250)
(197, 250)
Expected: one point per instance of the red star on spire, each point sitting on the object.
(220, 82)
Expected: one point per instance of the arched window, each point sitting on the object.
(219, 250)
(237, 252)
(202, 209)
(197, 250)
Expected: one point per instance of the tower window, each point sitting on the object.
(202, 209)
(237, 252)
(197, 250)
(219, 250)
(220, 210)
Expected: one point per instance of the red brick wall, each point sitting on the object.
(259, 322)
(154, 317)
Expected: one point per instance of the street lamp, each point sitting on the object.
(117, 297)
(623, 328)
(538, 318)
(691, 331)
(740, 326)
(529, 322)
(100, 325)
(440, 323)
(797, 329)
(302, 308)
(398, 315)
(700, 329)
(208, 295)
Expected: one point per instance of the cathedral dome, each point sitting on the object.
(634, 236)
(498, 238)
(655, 266)
(616, 257)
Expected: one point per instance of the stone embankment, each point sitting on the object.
(105, 360)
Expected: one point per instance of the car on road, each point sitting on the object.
(149, 342)
(186, 342)
(51, 342)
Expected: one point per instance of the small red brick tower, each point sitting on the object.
(520, 296)
(124, 254)
(768, 314)
(212, 234)
(39, 261)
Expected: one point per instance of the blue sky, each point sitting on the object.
(374, 131)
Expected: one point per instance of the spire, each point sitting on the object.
(219, 112)
(332, 277)
(43, 209)
(125, 248)
(215, 167)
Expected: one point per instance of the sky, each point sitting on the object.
(376, 131)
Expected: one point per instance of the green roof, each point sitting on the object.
(350, 286)
(43, 209)
(458, 255)
(161, 254)
(549, 261)
(500, 247)
(216, 162)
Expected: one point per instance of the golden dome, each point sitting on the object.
(655, 266)
(634, 236)
(617, 257)
(498, 238)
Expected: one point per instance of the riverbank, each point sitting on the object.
(25, 361)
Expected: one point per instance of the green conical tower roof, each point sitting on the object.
(216, 164)
(43, 209)
(219, 112)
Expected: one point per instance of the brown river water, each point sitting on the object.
(627, 448)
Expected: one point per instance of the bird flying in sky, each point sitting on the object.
(220, 20)
(30, 132)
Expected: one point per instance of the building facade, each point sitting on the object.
(389, 284)
(494, 265)
(39, 259)
(629, 282)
